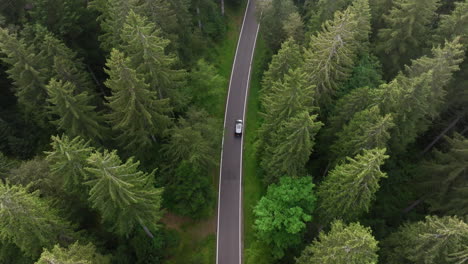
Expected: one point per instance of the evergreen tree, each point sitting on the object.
(330, 57)
(72, 111)
(144, 46)
(379, 9)
(453, 25)
(326, 10)
(288, 58)
(162, 13)
(205, 83)
(405, 32)
(282, 214)
(348, 191)
(136, 112)
(294, 27)
(437, 240)
(27, 72)
(30, 222)
(74, 254)
(67, 161)
(366, 72)
(445, 177)
(344, 244)
(124, 196)
(291, 147)
(112, 19)
(367, 129)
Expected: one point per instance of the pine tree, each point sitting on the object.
(30, 222)
(344, 244)
(73, 112)
(291, 147)
(454, 24)
(67, 161)
(437, 240)
(74, 254)
(294, 27)
(112, 18)
(330, 57)
(348, 191)
(379, 9)
(136, 112)
(288, 58)
(445, 177)
(161, 13)
(27, 72)
(144, 46)
(124, 196)
(282, 214)
(367, 129)
(405, 32)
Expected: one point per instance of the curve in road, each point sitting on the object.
(229, 231)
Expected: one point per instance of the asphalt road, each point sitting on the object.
(229, 232)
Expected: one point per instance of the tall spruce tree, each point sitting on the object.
(445, 176)
(454, 24)
(343, 244)
(436, 240)
(288, 58)
(405, 33)
(331, 53)
(136, 112)
(30, 222)
(367, 129)
(123, 195)
(28, 72)
(291, 146)
(144, 46)
(74, 254)
(67, 161)
(349, 189)
(72, 112)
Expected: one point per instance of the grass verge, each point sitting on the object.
(253, 188)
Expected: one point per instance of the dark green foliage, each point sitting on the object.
(445, 176)
(75, 253)
(10, 253)
(437, 240)
(124, 195)
(30, 222)
(282, 214)
(404, 34)
(136, 112)
(366, 73)
(343, 244)
(5, 165)
(348, 191)
(190, 192)
(205, 84)
(454, 24)
(73, 112)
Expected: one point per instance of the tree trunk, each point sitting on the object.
(222, 7)
(199, 21)
(147, 231)
(413, 205)
(454, 122)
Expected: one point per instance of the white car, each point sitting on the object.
(239, 126)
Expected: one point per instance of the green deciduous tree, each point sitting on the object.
(74, 254)
(454, 24)
(288, 58)
(445, 175)
(205, 86)
(437, 240)
(124, 196)
(330, 56)
(343, 244)
(282, 214)
(405, 32)
(136, 112)
(29, 221)
(145, 48)
(367, 129)
(73, 112)
(348, 191)
(28, 73)
(67, 161)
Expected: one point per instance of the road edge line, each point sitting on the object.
(224, 129)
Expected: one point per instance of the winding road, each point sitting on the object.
(229, 231)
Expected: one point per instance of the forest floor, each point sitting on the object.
(253, 187)
(198, 238)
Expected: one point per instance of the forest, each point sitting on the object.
(111, 120)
